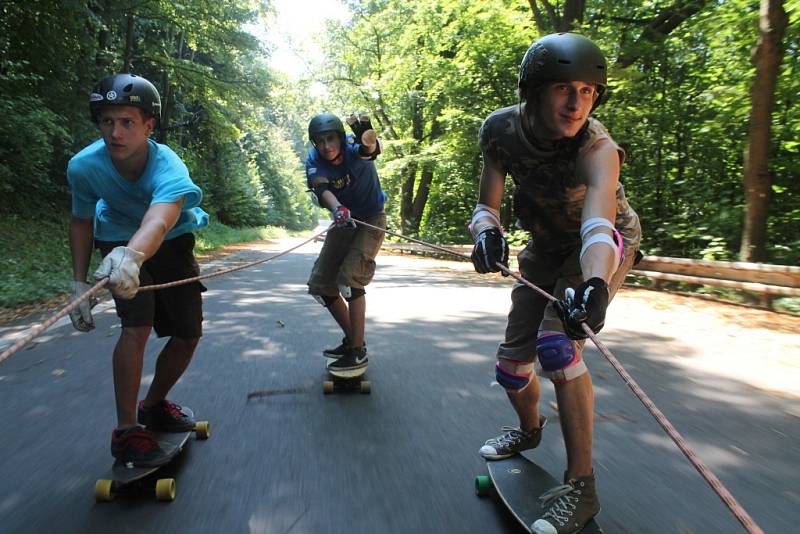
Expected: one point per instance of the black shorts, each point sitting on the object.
(174, 311)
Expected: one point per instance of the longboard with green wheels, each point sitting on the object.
(127, 477)
(519, 482)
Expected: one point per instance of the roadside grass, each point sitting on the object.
(36, 265)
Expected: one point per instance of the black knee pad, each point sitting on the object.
(356, 293)
(325, 300)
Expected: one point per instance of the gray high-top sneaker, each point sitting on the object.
(569, 507)
(512, 441)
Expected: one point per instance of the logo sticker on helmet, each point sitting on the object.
(134, 98)
(94, 97)
(111, 95)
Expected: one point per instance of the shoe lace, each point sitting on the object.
(140, 440)
(511, 436)
(173, 409)
(560, 503)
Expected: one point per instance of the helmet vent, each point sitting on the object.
(128, 88)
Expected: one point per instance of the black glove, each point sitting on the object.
(586, 304)
(359, 123)
(490, 248)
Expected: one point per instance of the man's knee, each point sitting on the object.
(558, 357)
(136, 334)
(513, 375)
(355, 293)
(185, 344)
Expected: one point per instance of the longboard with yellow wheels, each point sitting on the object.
(352, 380)
(127, 477)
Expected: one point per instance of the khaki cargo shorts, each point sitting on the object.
(347, 258)
(531, 312)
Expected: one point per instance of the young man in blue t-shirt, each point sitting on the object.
(342, 175)
(133, 198)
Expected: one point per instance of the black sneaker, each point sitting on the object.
(355, 358)
(165, 416)
(339, 351)
(137, 445)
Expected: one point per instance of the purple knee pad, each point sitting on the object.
(511, 381)
(558, 358)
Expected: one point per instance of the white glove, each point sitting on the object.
(121, 267)
(81, 316)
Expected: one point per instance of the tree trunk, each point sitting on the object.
(128, 55)
(104, 38)
(407, 196)
(167, 104)
(548, 19)
(658, 29)
(767, 58)
(421, 198)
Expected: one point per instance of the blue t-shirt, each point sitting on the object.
(354, 182)
(118, 205)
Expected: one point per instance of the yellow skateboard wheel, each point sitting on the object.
(366, 387)
(165, 489)
(104, 490)
(202, 429)
(327, 387)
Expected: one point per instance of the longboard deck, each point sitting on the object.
(121, 476)
(519, 482)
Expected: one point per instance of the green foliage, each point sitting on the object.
(41, 268)
(211, 74)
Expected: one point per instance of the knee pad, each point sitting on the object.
(558, 358)
(513, 375)
(324, 300)
(355, 293)
(345, 291)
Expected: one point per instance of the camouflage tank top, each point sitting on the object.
(548, 193)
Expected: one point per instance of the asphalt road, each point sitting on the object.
(284, 458)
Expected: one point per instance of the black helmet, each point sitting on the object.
(325, 122)
(563, 57)
(125, 90)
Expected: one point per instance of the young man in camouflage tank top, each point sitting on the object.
(584, 239)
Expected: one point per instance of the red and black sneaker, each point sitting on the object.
(165, 416)
(136, 445)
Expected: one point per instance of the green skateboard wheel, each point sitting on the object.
(483, 485)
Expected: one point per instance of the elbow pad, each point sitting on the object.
(319, 189)
(615, 243)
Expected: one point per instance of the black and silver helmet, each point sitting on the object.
(563, 57)
(325, 122)
(125, 90)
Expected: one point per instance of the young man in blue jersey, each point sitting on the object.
(584, 239)
(341, 172)
(133, 199)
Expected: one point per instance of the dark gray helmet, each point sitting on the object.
(563, 57)
(325, 122)
(125, 90)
